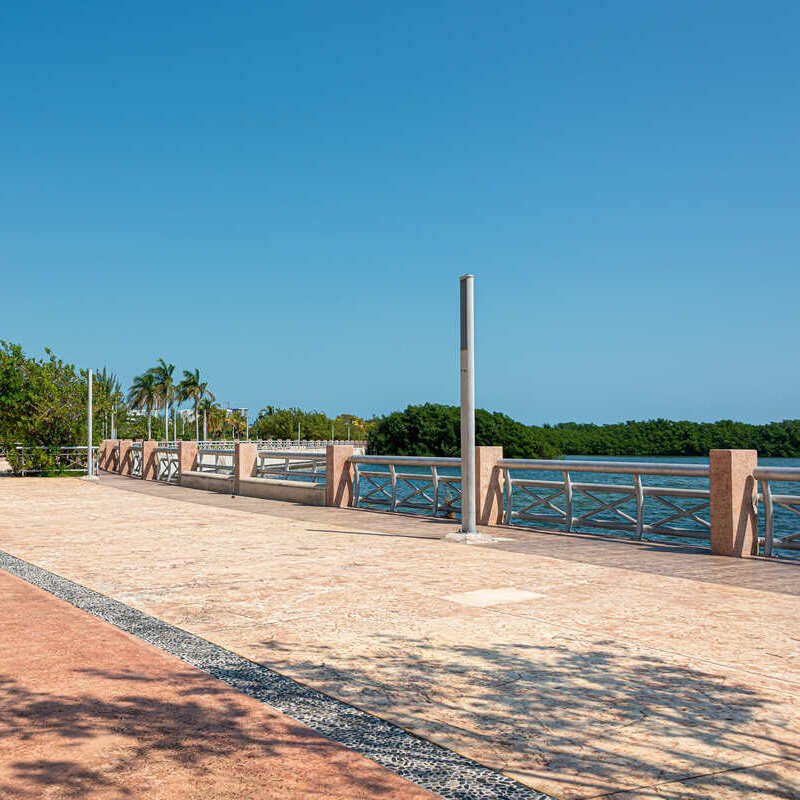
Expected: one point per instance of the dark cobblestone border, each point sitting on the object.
(426, 764)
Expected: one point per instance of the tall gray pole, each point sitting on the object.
(467, 405)
(89, 460)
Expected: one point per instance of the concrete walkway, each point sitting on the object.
(581, 667)
(90, 712)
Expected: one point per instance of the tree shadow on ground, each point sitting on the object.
(83, 745)
(592, 717)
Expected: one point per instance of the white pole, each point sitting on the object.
(89, 461)
(298, 433)
(468, 514)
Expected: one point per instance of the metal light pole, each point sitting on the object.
(467, 406)
(89, 460)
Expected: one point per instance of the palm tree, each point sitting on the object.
(165, 388)
(143, 395)
(109, 398)
(206, 403)
(192, 388)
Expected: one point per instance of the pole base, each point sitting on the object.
(90, 477)
(474, 537)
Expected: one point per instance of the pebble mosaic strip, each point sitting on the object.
(426, 764)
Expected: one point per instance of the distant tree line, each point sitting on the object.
(663, 437)
(434, 430)
(293, 423)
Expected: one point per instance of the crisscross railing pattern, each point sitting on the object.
(167, 464)
(29, 459)
(291, 466)
(136, 459)
(623, 506)
(426, 488)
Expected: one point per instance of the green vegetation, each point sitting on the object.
(282, 423)
(434, 430)
(43, 406)
(663, 437)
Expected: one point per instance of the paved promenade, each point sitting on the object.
(577, 666)
(91, 712)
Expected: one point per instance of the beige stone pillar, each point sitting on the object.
(187, 457)
(488, 486)
(245, 455)
(149, 462)
(338, 475)
(124, 466)
(111, 461)
(101, 454)
(734, 529)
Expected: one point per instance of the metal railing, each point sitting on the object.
(35, 460)
(632, 506)
(166, 464)
(285, 444)
(776, 502)
(277, 464)
(136, 459)
(216, 459)
(427, 489)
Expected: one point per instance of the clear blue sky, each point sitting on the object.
(284, 195)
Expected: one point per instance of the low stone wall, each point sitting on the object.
(309, 494)
(208, 481)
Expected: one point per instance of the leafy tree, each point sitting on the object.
(435, 430)
(42, 406)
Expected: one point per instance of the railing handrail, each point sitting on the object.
(787, 474)
(621, 467)
(407, 461)
(296, 455)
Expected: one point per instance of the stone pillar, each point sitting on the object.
(149, 462)
(124, 466)
(108, 460)
(734, 529)
(338, 475)
(245, 455)
(488, 485)
(101, 454)
(187, 457)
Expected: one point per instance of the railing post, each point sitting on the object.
(125, 463)
(488, 485)
(338, 475)
(149, 460)
(187, 457)
(245, 456)
(734, 528)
